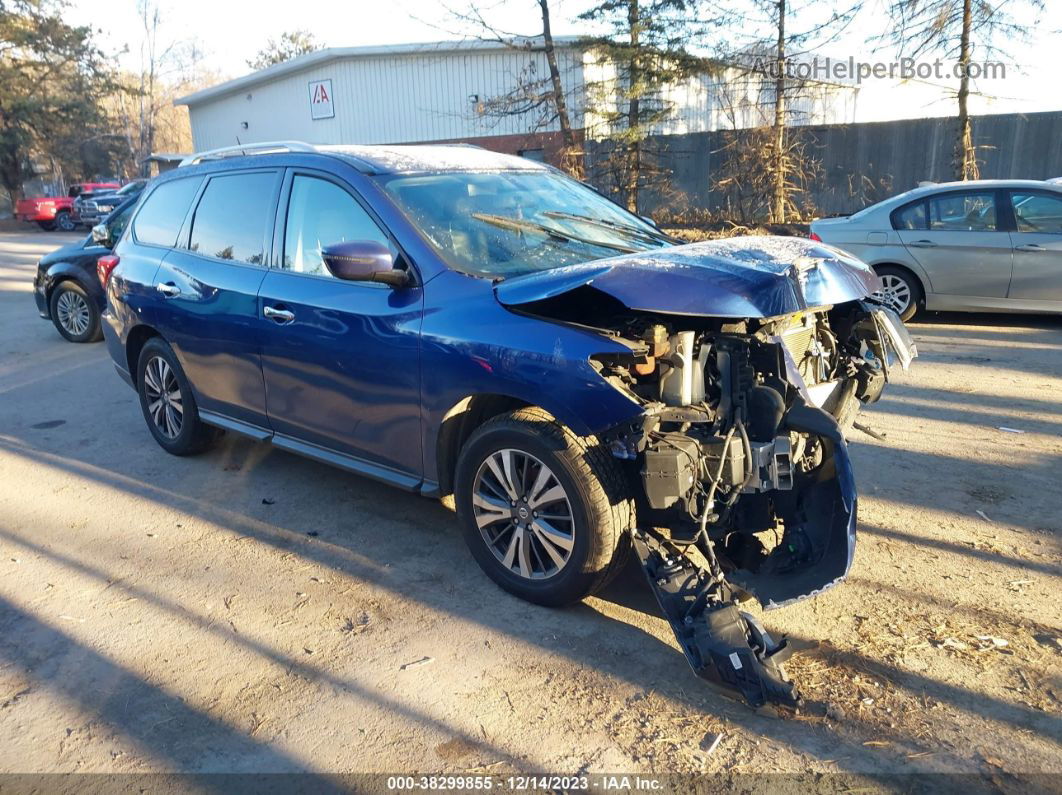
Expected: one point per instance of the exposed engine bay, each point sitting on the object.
(741, 455)
(741, 422)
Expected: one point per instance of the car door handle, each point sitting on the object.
(280, 316)
(922, 244)
(1030, 247)
(169, 289)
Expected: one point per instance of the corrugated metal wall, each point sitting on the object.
(436, 96)
(382, 99)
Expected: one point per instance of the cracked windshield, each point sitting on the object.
(511, 223)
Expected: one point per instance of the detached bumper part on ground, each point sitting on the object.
(721, 643)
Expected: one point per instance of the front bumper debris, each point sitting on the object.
(721, 643)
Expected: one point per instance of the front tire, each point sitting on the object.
(167, 402)
(545, 513)
(900, 291)
(75, 314)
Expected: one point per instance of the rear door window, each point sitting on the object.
(232, 218)
(1037, 212)
(162, 214)
(963, 212)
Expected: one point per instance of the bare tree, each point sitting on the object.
(747, 165)
(542, 100)
(145, 108)
(958, 29)
(776, 38)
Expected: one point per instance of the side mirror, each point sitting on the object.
(363, 261)
(649, 221)
(101, 234)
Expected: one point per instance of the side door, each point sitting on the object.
(208, 287)
(1037, 241)
(962, 246)
(341, 359)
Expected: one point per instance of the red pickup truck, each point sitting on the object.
(57, 212)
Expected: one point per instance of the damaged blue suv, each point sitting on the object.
(453, 321)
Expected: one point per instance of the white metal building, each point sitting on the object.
(441, 92)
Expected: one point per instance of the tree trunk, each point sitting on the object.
(13, 195)
(965, 153)
(571, 157)
(634, 151)
(778, 147)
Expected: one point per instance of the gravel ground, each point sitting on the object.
(248, 610)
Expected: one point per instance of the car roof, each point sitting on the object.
(922, 191)
(975, 184)
(377, 159)
(423, 158)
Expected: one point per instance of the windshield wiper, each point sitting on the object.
(632, 231)
(552, 233)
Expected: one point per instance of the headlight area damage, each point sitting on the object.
(747, 491)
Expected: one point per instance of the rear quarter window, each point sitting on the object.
(162, 214)
(913, 216)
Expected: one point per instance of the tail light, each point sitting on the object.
(104, 266)
(815, 237)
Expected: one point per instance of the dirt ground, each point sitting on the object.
(248, 610)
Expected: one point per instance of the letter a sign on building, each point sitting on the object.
(321, 106)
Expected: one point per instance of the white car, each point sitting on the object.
(985, 245)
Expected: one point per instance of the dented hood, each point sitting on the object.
(737, 277)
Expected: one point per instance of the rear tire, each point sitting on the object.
(901, 291)
(75, 314)
(65, 221)
(552, 538)
(167, 402)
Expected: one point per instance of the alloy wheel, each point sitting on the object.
(164, 401)
(65, 222)
(894, 292)
(523, 514)
(73, 313)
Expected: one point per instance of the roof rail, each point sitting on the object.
(263, 148)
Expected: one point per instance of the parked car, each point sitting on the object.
(90, 207)
(56, 212)
(67, 288)
(449, 320)
(987, 245)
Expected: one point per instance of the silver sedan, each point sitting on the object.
(986, 245)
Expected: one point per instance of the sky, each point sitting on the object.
(229, 32)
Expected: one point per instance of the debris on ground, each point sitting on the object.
(416, 663)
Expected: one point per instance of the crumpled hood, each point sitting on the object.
(737, 277)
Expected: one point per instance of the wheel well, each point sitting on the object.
(135, 343)
(459, 423)
(66, 277)
(917, 279)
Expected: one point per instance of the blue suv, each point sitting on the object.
(453, 321)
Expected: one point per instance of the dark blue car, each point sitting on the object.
(66, 287)
(452, 321)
